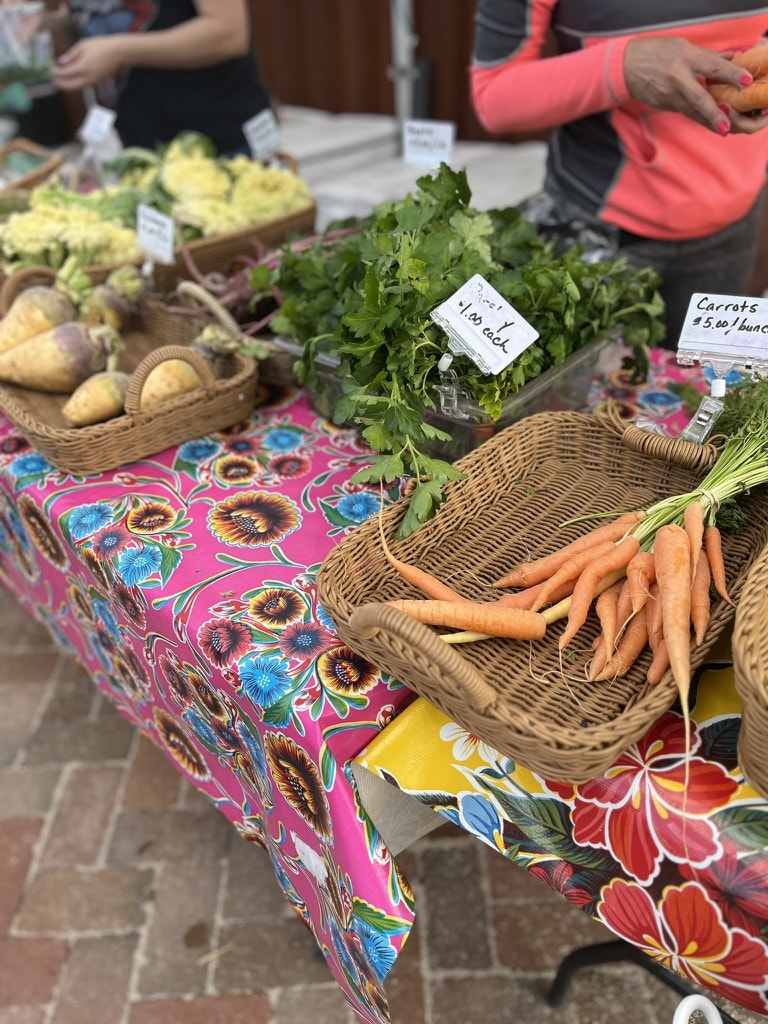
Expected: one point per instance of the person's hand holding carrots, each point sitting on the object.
(670, 74)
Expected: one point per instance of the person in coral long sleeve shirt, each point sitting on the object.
(642, 160)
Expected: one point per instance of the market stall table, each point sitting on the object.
(185, 585)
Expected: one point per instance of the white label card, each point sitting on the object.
(155, 233)
(481, 324)
(732, 327)
(97, 126)
(262, 135)
(428, 142)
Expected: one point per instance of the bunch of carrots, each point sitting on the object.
(648, 574)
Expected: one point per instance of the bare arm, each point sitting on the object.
(219, 32)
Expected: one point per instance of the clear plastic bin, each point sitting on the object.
(26, 49)
(562, 387)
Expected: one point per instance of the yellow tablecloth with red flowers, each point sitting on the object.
(185, 584)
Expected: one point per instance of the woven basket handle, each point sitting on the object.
(404, 633)
(195, 292)
(696, 457)
(21, 279)
(154, 359)
(289, 161)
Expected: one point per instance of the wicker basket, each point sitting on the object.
(520, 487)
(750, 674)
(48, 162)
(275, 368)
(228, 395)
(217, 253)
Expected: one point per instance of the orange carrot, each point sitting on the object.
(659, 664)
(700, 600)
(693, 524)
(488, 618)
(713, 545)
(653, 617)
(641, 572)
(599, 658)
(584, 591)
(422, 580)
(606, 610)
(542, 568)
(525, 598)
(673, 559)
(570, 570)
(630, 648)
(623, 607)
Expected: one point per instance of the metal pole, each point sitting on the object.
(403, 67)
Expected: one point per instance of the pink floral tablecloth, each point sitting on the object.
(185, 586)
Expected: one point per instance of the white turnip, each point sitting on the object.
(100, 397)
(60, 359)
(170, 378)
(34, 310)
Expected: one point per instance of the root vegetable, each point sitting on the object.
(60, 359)
(105, 306)
(585, 590)
(33, 311)
(673, 567)
(99, 398)
(172, 377)
(542, 568)
(113, 301)
(489, 618)
(628, 650)
(419, 578)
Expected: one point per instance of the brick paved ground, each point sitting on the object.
(126, 898)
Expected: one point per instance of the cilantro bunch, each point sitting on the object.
(365, 301)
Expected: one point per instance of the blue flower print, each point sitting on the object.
(478, 815)
(200, 728)
(137, 564)
(358, 507)
(197, 451)
(263, 680)
(105, 616)
(30, 464)
(378, 951)
(89, 518)
(323, 617)
(282, 440)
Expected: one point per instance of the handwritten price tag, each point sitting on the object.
(155, 234)
(481, 324)
(96, 126)
(262, 135)
(727, 326)
(428, 142)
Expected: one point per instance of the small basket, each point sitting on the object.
(228, 395)
(521, 486)
(750, 675)
(216, 253)
(275, 368)
(48, 161)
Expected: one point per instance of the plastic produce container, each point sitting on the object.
(563, 387)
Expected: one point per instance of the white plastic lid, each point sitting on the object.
(717, 387)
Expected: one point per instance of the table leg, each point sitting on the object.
(614, 952)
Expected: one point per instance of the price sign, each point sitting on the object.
(96, 126)
(428, 142)
(262, 134)
(155, 234)
(481, 324)
(729, 327)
